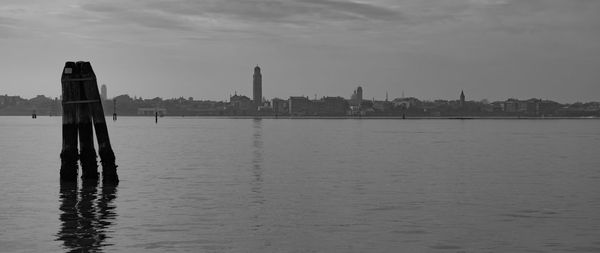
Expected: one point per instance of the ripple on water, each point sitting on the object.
(411, 232)
(173, 245)
(584, 249)
(442, 246)
(241, 185)
(531, 214)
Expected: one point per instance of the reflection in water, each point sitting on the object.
(257, 144)
(85, 215)
(257, 161)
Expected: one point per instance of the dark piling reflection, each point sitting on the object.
(86, 215)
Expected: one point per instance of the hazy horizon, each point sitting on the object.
(319, 97)
(491, 49)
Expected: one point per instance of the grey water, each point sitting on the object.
(310, 185)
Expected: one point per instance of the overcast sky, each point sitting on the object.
(206, 49)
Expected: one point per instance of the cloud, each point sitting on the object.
(306, 18)
(7, 21)
(362, 10)
(304, 10)
(552, 16)
(175, 14)
(10, 28)
(122, 14)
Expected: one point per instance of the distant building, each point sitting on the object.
(334, 106)
(299, 105)
(522, 106)
(382, 106)
(151, 111)
(511, 105)
(462, 99)
(280, 106)
(356, 97)
(405, 103)
(103, 94)
(241, 105)
(531, 107)
(10, 100)
(257, 87)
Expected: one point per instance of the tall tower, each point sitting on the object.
(462, 98)
(103, 94)
(359, 94)
(257, 87)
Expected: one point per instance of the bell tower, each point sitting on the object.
(257, 87)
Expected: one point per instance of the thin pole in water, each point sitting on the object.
(114, 109)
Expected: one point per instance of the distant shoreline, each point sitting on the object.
(108, 117)
(388, 117)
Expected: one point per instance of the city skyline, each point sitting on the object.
(258, 99)
(385, 96)
(428, 49)
(250, 92)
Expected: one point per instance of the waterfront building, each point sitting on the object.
(531, 107)
(382, 106)
(511, 105)
(10, 100)
(299, 105)
(405, 103)
(145, 111)
(241, 105)
(280, 106)
(335, 106)
(522, 106)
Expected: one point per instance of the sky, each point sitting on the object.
(207, 49)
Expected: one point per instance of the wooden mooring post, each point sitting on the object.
(114, 109)
(83, 112)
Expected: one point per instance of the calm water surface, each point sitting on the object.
(281, 185)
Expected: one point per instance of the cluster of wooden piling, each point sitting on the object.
(83, 113)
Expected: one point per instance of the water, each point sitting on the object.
(281, 185)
